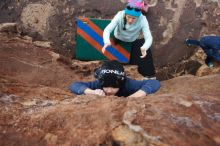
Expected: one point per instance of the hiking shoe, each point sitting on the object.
(210, 65)
(188, 42)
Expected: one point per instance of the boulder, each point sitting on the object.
(36, 107)
(171, 22)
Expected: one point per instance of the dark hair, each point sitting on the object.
(111, 74)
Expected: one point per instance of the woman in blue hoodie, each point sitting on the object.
(111, 80)
(128, 25)
(211, 47)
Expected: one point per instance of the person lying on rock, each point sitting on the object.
(111, 80)
(211, 47)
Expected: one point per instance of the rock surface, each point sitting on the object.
(36, 107)
(171, 22)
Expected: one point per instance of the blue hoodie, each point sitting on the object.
(130, 86)
(211, 46)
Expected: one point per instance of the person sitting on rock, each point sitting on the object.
(111, 80)
(210, 45)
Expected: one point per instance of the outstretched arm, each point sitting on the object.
(80, 88)
(110, 27)
(147, 87)
(147, 37)
(107, 31)
(147, 34)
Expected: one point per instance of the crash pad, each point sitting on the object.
(89, 42)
